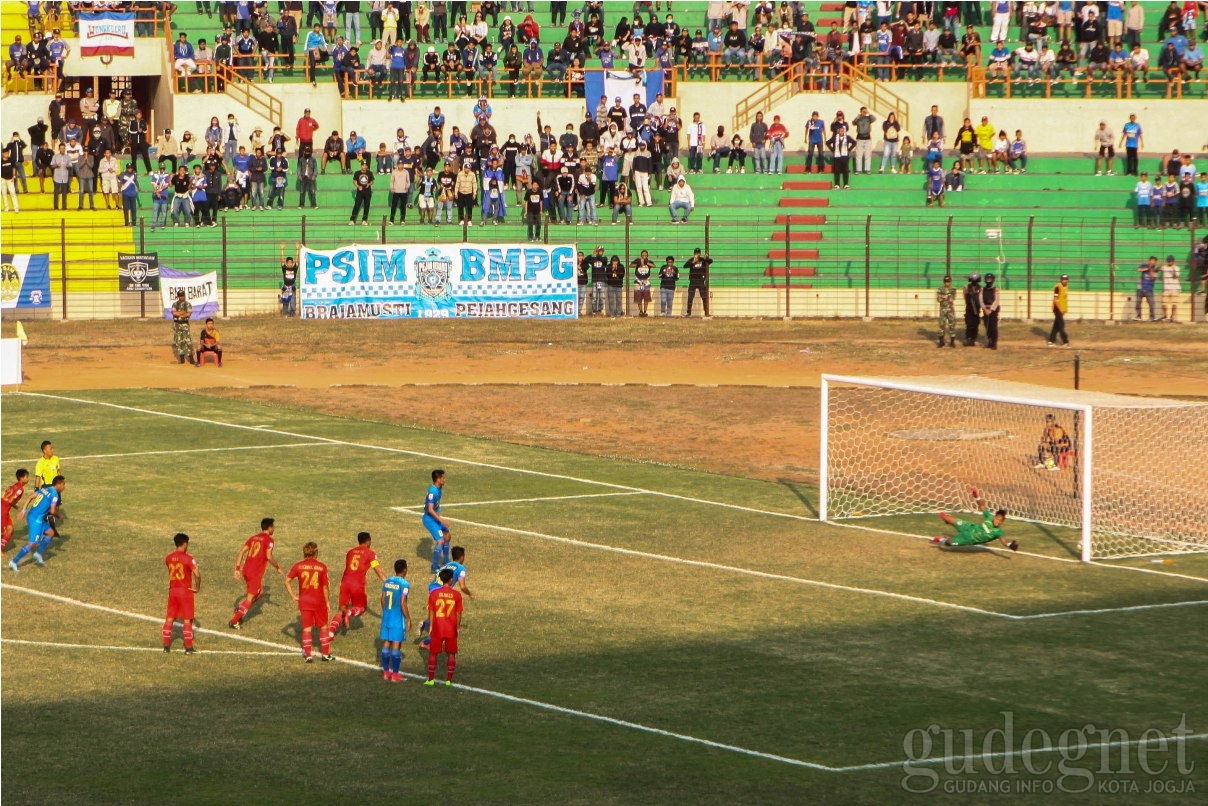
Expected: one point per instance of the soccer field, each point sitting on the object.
(639, 633)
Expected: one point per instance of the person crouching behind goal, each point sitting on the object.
(974, 534)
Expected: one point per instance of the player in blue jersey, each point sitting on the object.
(458, 568)
(437, 526)
(41, 516)
(396, 619)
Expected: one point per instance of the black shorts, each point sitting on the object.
(1107, 151)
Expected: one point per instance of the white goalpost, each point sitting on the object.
(1128, 474)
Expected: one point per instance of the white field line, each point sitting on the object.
(727, 568)
(886, 765)
(70, 459)
(516, 501)
(1074, 561)
(472, 463)
(104, 647)
(459, 687)
(1098, 611)
(287, 650)
(422, 455)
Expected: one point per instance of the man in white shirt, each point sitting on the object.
(1171, 289)
(108, 170)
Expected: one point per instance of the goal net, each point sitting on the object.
(1119, 469)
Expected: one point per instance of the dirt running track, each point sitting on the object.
(730, 397)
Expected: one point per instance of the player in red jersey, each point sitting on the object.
(184, 580)
(312, 598)
(444, 613)
(357, 563)
(253, 560)
(12, 496)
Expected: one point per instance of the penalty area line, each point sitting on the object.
(518, 500)
(733, 569)
(544, 706)
(71, 459)
(109, 648)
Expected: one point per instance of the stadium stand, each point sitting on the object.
(783, 244)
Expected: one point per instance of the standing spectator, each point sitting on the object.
(1061, 306)
(989, 304)
(641, 174)
(891, 130)
(758, 137)
(352, 21)
(815, 133)
(933, 123)
(586, 189)
(8, 191)
(936, 184)
(643, 267)
(136, 141)
(15, 150)
(1144, 196)
(668, 277)
(697, 142)
(683, 202)
(278, 181)
(532, 217)
(289, 283)
(698, 280)
(985, 145)
(182, 198)
(308, 172)
(863, 123)
(1134, 23)
(1001, 19)
(400, 189)
(466, 190)
(316, 54)
(777, 136)
(1171, 290)
(1106, 149)
(1147, 274)
(161, 183)
(129, 193)
(614, 280)
(362, 183)
(86, 176)
(596, 267)
(304, 132)
(108, 170)
(841, 145)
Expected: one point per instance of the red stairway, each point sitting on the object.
(800, 258)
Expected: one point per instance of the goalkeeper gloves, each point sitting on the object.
(1013, 545)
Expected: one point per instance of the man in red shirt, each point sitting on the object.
(305, 132)
(184, 580)
(353, 600)
(312, 598)
(12, 496)
(444, 613)
(253, 560)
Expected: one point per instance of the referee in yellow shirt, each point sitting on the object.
(1061, 306)
(48, 466)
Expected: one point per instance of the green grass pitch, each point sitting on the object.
(642, 634)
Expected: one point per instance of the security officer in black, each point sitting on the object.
(972, 308)
(989, 306)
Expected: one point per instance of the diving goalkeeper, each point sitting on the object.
(974, 534)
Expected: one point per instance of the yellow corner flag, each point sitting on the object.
(21, 334)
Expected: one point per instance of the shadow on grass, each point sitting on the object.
(799, 493)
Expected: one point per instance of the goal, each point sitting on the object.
(1129, 478)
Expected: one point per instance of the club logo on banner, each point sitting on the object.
(439, 280)
(138, 272)
(109, 33)
(201, 290)
(25, 280)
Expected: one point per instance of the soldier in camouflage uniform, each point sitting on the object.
(182, 339)
(946, 297)
(129, 108)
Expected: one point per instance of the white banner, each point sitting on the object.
(404, 281)
(109, 33)
(201, 292)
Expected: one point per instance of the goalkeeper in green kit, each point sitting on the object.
(975, 534)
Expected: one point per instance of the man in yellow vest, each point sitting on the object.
(1061, 306)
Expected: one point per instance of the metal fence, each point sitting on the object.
(794, 264)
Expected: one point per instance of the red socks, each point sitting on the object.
(188, 631)
(308, 643)
(325, 640)
(167, 633)
(450, 664)
(432, 657)
(240, 612)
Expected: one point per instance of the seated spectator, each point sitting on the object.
(1017, 156)
(333, 151)
(376, 64)
(1027, 62)
(1193, 60)
(1097, 60)
(1170, 63)
(682, 201)
(1001, 154)
(208, 342)
(955, 180)
(1000, 61)
(1048, 62)
(946, 47)
(1138, 62)
(738, 153)
(1067, 61)
(1117, 60)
